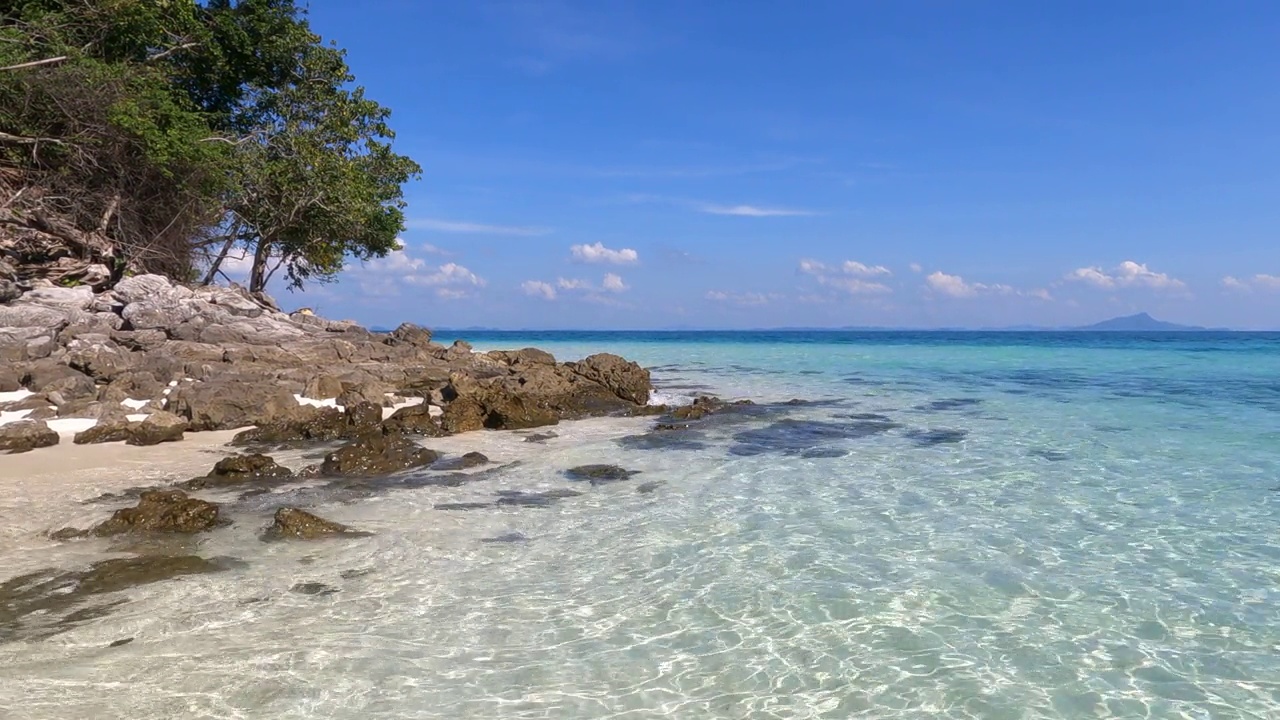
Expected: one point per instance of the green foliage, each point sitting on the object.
(184, 121)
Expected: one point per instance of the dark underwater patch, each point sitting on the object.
(511, 537)
(795, 437)
(940, 436)
(1050, 455)
(950, 404)
(664, 440)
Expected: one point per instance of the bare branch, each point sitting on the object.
(22, 140)
(171, 51)
(34, 63)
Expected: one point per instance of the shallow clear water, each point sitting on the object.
(1056, 526)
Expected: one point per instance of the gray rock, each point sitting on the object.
(232, 299)
(9, 290)
(140, 288)
(32, 316)
(60, 298)
(26, 435)
(160, 313)
(101, 360)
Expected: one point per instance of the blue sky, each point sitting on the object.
(744, 164)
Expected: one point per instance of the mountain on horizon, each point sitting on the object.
(1142, 322)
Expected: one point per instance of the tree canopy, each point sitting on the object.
(163, 135)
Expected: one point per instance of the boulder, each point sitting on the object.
(160, 313)
(365, 392)
(321, 387)
(238, 469)
(377, 455)
(162, 511)
(409, 334)
(32, 316)
(139, 288)
(302, 525)
(235, 300)
(112, 426)
(159, 427)
(622, 377)
(414, 420)
(60, 298)
(99, 360)
(24, 435)
(229, 402)
(9, 290)
(317, 424)
(133, 385)
(10, 378)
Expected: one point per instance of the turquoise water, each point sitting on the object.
(951, 526)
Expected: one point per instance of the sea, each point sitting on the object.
(902, 525)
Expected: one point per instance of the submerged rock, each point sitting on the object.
(313, 588)
(163, 511)
(462, 506)
(465, 462)
(600, 474)
(302, 525)
(937, 437)
(317, 425)
(377, 455)
(649, 487)
(797, 437)
(25, 435)
(511, 537)
(41, 598)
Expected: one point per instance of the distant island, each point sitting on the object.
(1142, 322)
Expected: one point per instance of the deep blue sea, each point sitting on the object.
(943, 525)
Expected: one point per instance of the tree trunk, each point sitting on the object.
(258, 274)
(222, 254)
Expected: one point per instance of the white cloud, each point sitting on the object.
(430, 249)
(853, 267)
(455, 226)
(613, 283)
(584, 289)
(1127, 274)
(1259, 282)
(445, 293)
(746, 299)
(952, 285)
(537, 288)
(565, 284)
(598, 253)
(752, 211)
(915, 268)
(848, 276)
(447, 274)
(957, 287)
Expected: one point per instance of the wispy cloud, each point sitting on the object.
(1257, 282)
(385, 276)
(849, 276)
(1128, 274)
(752, 211)
(747, 299)
(955, 286)
(472, 228)
(598, 253)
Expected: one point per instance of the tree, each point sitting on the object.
(157, 135)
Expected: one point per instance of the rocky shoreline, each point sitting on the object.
(148, 361)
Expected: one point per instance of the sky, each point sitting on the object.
(738, 164)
